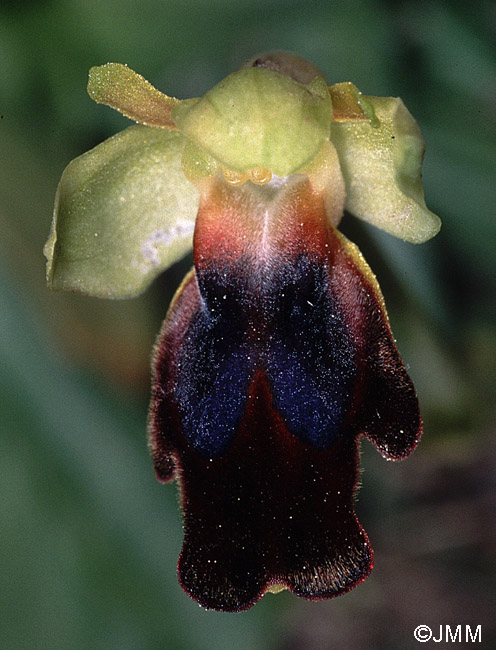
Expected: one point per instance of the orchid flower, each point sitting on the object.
(276, 354)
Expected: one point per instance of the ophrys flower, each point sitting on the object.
(276, 354)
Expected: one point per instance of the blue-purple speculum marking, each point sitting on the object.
(276, 355)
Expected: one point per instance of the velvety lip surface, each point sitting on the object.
(267, 371)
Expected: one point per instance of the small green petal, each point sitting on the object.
(119, 87)
(348, 103)
(124, 212)
(259, 118)
(382, 171)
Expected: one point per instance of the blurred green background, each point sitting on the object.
(88, 538)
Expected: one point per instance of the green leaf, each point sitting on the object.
(381, 166)
(123, 212)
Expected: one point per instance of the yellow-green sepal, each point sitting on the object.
(381, 166)
(123, 213)
(259, 118)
